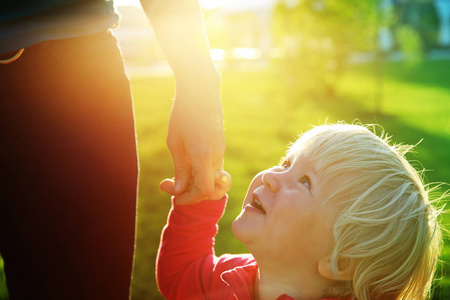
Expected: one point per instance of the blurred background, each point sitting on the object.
(287, 65)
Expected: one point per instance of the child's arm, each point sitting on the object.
(186, 255)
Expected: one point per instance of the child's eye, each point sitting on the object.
(286, 164)
(306, 181)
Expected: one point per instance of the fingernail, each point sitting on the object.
(177, 185)
(224, 178)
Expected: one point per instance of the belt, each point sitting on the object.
(9, 57)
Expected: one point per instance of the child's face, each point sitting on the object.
(283, 214)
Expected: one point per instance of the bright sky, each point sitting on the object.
(127, 2)
(226, 4)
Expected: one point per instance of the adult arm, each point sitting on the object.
(195, 136)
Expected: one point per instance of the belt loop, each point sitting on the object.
(13, 58)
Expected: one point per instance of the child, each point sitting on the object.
(344, 216)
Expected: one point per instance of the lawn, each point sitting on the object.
(262, 115)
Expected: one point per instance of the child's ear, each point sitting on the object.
(345, 272)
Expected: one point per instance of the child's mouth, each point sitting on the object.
(256, 204)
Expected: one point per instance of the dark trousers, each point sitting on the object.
(68, 171)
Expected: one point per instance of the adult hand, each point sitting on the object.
(196, 138)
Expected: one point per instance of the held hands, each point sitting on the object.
(222, 184)
(196, 138)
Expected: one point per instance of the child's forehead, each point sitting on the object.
(303, 146)
(300, 159)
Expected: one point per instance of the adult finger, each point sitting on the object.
(201, 187)
(181, 167)
(203, 173)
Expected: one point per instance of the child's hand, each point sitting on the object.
(222, 185)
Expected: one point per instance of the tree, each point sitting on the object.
(317, 36)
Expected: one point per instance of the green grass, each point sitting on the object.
(262, 115)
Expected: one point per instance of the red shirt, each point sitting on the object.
(186, 265)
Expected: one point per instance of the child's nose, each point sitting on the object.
(270, 179)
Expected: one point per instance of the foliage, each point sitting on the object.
(317, 36)
(421, 17)
(411, 45)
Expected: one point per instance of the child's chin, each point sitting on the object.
(236, 227)
(242, 229)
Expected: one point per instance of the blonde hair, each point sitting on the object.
(387, 226)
